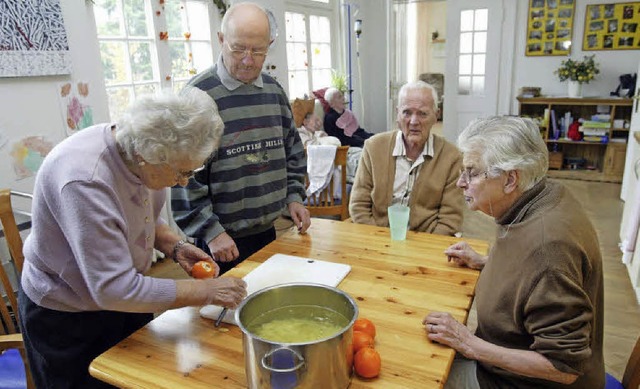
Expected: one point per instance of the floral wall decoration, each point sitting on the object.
(76, 111)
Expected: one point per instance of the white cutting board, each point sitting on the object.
(282, 269)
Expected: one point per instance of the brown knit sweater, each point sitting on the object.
(436, 203)
(542, 290)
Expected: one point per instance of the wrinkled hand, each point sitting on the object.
(226, 291)
(441, 327)
(463, 255)
(223, 248)
(300, 215)
(189, 254)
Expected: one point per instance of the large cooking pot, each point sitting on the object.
(324, 363)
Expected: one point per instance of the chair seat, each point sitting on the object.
(612, 383)
(12, 368)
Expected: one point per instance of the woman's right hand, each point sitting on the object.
(463, 255)
(227, 292)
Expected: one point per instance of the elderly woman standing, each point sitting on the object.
(540, 294)
(96, 206)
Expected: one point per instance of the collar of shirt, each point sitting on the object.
(227, 79)
(400, 151)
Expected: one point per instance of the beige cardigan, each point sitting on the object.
(436, 203)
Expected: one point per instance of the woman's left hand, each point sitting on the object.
(188, 254)
(441, 327)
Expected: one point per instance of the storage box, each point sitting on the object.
(555, 160)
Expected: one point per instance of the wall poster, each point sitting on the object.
(612, 27)
(549, 27)
(33, 40)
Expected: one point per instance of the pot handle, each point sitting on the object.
(296, 354)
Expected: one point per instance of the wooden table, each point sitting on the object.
(395, 283)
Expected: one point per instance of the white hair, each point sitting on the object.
(168, 127)
(419, 85)
(504, 143)
(331, 93)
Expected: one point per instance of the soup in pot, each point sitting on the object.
(297, 324)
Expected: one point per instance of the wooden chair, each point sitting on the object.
(631, 377)
(323, 203)
(10, 337)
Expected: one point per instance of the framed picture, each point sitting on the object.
(33, 41)
(549, 27)
(612, 27)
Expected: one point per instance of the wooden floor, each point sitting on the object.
(603, 205)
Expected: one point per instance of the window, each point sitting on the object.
(473, 49)
(146, 46)
(309, 56)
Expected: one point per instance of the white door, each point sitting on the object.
(633, 149)
(474, 39)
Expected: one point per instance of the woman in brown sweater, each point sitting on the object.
(540, 294)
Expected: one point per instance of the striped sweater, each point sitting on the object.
(258, 169)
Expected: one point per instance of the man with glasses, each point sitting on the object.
(258, 170)
(412, 167)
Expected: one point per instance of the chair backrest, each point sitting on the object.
(324, 203)
(10, 336)
(631, 377)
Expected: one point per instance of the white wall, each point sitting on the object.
(371, 85)
(29, 105)
(538, 71)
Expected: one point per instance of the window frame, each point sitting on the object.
(314, 8)
(160, 61)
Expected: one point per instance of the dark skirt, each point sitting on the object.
(61, 345)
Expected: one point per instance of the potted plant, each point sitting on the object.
(577, 73)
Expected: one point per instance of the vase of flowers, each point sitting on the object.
(577, 73)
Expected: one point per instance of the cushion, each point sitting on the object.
(301, 108)
(319, 94)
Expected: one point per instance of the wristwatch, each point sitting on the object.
(176, 247)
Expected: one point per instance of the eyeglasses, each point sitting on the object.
(240, 53)
(467, 175)
(185, 175)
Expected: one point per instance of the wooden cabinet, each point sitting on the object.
(585, 160)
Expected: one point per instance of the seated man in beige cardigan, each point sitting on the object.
(412, 167)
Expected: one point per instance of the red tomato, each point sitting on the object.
(367, 362)
(203, 269)
(361, 339)
(365, 325)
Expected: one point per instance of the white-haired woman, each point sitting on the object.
(540, 294)
(341, 122)
(95, 223)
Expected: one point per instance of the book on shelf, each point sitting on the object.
(593, 131)
(555, 131)
(596, 124)
(596, 139)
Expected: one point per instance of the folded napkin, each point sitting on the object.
(320, 159)
(348, 122)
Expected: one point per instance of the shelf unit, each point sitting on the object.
(604, 161)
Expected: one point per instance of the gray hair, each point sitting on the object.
(331, 93)
(419, 85)
(504, 143)
(169, 127)
(273, 30)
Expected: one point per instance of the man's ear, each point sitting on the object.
(511, 184)
(220, 38)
